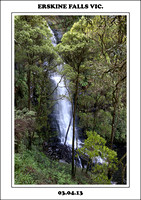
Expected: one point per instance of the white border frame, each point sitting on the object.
(133, 192)
(128, 104)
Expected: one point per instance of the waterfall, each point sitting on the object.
(63, 106)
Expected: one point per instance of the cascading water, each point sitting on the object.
(63, 107)
(63, 110)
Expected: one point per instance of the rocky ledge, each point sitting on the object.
(61, 152)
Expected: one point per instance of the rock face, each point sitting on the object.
(58, 35)
(58, 151)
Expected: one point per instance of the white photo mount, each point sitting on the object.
(129, 191)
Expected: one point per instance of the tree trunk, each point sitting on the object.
(123, 167)
(73, 139)
(67, 131)
(29, 90)
(74, 115)
(123, 173)
(29, 140)
(113, 126)
(115, 104)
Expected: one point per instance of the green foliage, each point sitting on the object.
(120, 134)
(20, 178)
(33, 47)
(24, 127)
(20, 89)
(63, 23)
(34, 167)
(35, 59)
(73, 49)
(94, 147)
(24, 113)
(103, 124)
(104, 78)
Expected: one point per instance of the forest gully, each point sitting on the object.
(70, 99)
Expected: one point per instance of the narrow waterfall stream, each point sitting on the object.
(63, 110)
(63, 106)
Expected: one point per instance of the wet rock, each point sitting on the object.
(58, 151)
(62, 161)
(58, 35)
(61, 152)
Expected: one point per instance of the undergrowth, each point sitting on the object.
(34, 167)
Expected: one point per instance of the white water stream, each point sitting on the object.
(63, 106)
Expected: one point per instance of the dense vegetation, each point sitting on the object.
(34, 167)
(93, 49)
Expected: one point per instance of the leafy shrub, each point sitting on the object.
(24, 127)
(94, 147)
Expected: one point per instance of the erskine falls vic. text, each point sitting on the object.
(69, 6)
(70, 99)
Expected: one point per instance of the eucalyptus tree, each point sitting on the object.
(74, 50)
(106, 82)
(111, 36)
(32, 48)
